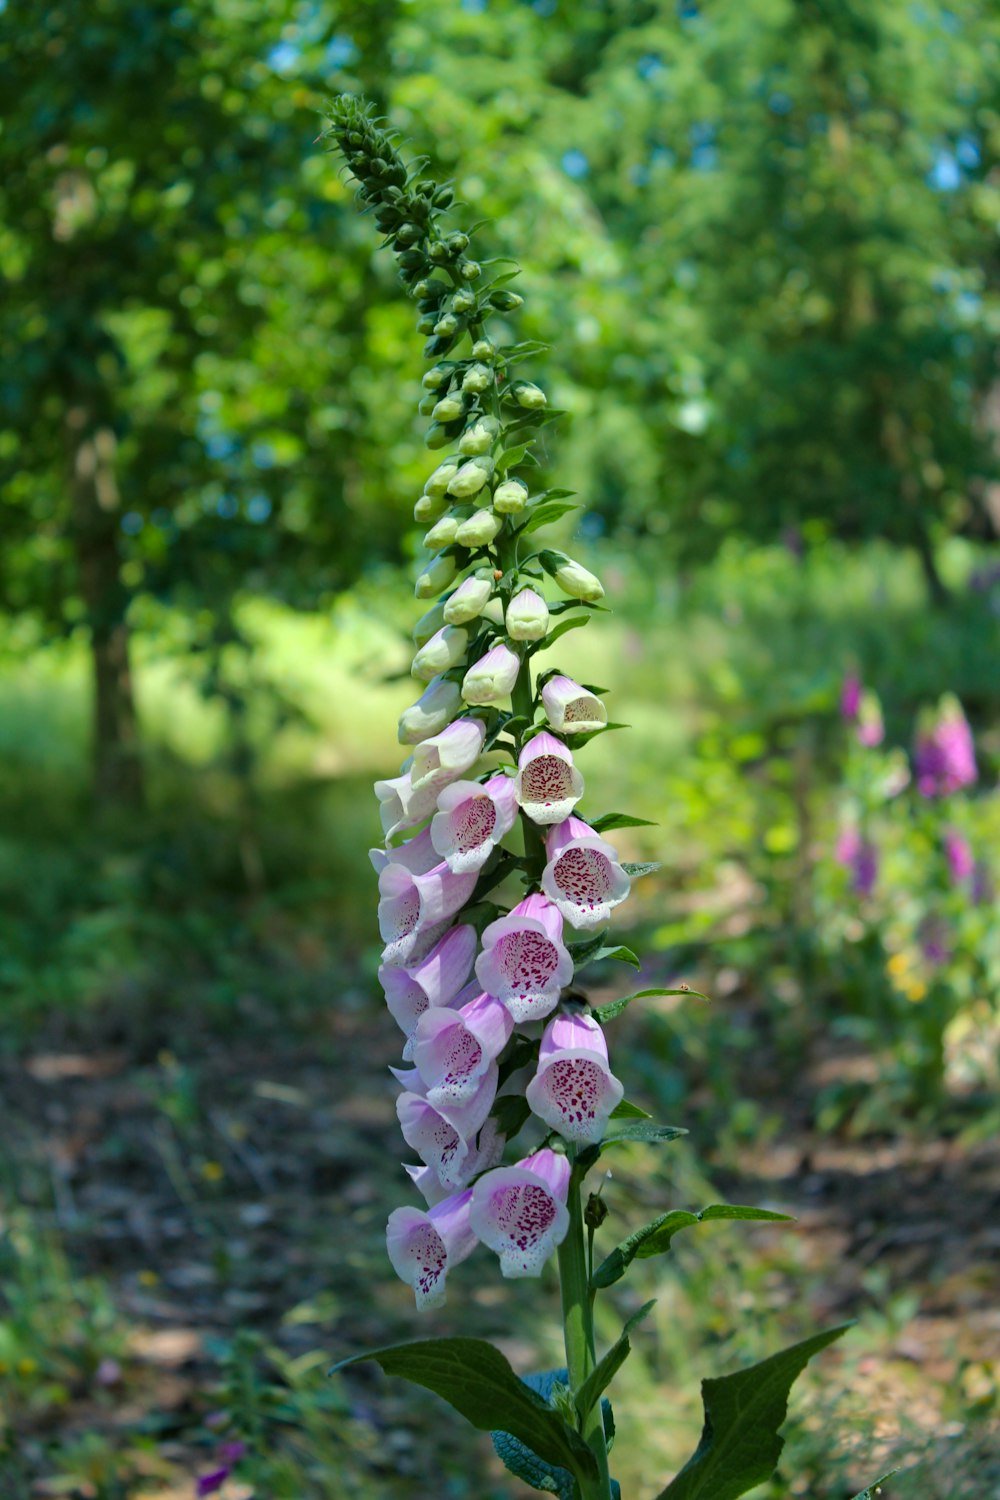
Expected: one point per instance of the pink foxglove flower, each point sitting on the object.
(432, 712)
(859, 855)
(850, 697)
(484, 1152)
(423, 1246)
(524, 962)
(520, 1211)
(548, 785)
(435, 980)
(492, 677)
(453, 1049)
(584, 876)
(871, 728)
(411, 905)
(445, 649)
(958, 853)
(944, 756)
(468, 601)
(570, 709)
(527, 616)
(445, 1138)
(574, 1090)
(471, 820)
(443, 758)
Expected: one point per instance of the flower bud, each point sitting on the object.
(446, 324)
(426, 404)
(476, 379)
(528, 395)
(484, 349)
(479, 530)
(436, 576)
(439, 434)
(427, 322)
(430, 623)
(463, 301)
(445, 649)
(457, 242)
(492, 677)
(433, 711)
(436, 377)
(572, 577)
(510, 497)
(527, 616)
(449, 408)
(429, 507)
(470, 270)
(438, 252)
(438, 483)
(505, 301)
(471, 477)
(442, 533)
(409, 234)
(479, 437)
(468, 601)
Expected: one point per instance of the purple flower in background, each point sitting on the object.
(871, 729)
(207, 1484)
(933, 936)
(850, 697)
(859, 855)
(944, 755)
(959, 855)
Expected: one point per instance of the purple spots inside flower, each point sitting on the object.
(575, 1086)
(474, 823)
(426, 1249)
(406, 912)
(584, 876)
(546, 780)
(527, 961)
(522, 1214)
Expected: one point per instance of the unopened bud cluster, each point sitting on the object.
(489, 795)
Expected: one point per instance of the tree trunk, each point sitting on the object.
(117, 769)
(936, 586)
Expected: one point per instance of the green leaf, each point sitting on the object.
(511, 458)
(740, 1445)
(613, 1008)
(654, 1238)
(873, 1489)
(534, 1471)
(626, 1110)
(619, 820)
(636, 870)
(547, 513)
(593, 951)
(608, 1366)
(639, 1130)
(573, 623)
(477, 1381)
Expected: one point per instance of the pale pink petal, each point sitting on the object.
(583, 876)
(574, 1092)
(570, 1031)
(570, 709)
(443, 1138)
(520, 1212)
(547, 784)
(424, 1246)
(454, 1048)
(523, 967)
(471, 820)
(435, 980)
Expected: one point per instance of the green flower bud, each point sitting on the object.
(463, 302)
(408, 234)
(470, 270)
(457, 242)
(479, 530)
(528, 395)
(427, 322)
(572, 577)
(436, 576)
(438, 345)
(484, 349)
(476, 379)
(436, 377)
(449, 408)
(505, 301)
(438, 252)
(441, 534)
(429, 507)
(431, 622)
(527, 617)
(468, 601)
(439, 434)
(510, 497)
(445, 649)
(439, 481)
(426, 404)
(479, 437)
(471, 477)
(433, 711)
(445, 325)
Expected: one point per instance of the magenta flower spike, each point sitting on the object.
(583, 877)
(859, 855)
(958, 853)
(453, 1049)
(520, 1211)
(423, 1246)
(944, 755)
(444, 1137)
(435, 980)
(574, 1090)
(570, 708)
(491, 679)
(471, 819)
(850, 697)
(413, 905)
(524, 962)
(547, 785)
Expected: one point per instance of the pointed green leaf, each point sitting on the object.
(608, 1366)
(573, 623)
(614, 1008)
(619, 820)
(654, 1238)
(635, 870)
(478, 1382)
(740, 1445)
(531, 1469)
(547, 513)
(511, 458)
(594, 951)
(874, 1489)
(626, 1110)
(639, 1130)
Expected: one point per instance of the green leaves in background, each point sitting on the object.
(614, 1008)
(740, 1445)
(478, 1382)
(655, 1237)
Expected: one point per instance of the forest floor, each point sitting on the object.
(195, 1232)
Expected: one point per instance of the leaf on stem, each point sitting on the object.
(478, 1382)
(629, 1133)
(534, 1471)
(608, 821)
(613, 1008)
(740, 1444)
(593, 951)
(546, 514)
(635, 870)
(654, 1238)
(626, 1110)
(874, 1489)
(607, 1367)
(573, 623)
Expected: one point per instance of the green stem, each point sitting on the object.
(578, 1326)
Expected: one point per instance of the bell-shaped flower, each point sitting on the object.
(520, 1211)
(432, 712)
(510, 497)
(527, 617)
(584, 876)
(484, 1152)
(437, 484)
(400, 807)
(445, 1137)
(547, 785)
(442, 533)
(445, 649)
(423, 1245)
(479, 436)
(479, 529)
(570, 709)
(468, 601)
(453, 1049)
(437, 575)
(524, 962)
(446, 756)
(434, 981)
(574, 1090)
(429, 507)
(412, 903)
(471, 820)
(470, 478)
(572, 577)
(492, 677)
